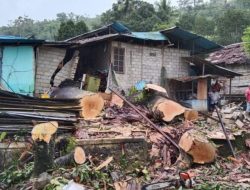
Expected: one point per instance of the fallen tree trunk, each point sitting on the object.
(196, 145)
(91, 106)
(165, 108)
(77, 156)
(157, 89)
(191, 115)
(116, 100)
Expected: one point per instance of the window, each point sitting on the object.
(119, 54)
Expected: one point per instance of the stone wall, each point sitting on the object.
(47, 61)
(145, 63)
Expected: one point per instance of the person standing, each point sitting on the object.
(247, 95)
(214, 98)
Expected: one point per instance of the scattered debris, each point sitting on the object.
(73, 186)
(248, 143)
(175, 141)
(239, 123)
(105, 163)
(42, 180)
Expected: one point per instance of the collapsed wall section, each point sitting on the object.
(47, 61)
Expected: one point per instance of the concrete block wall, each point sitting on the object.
(145, 63)
(47, 61)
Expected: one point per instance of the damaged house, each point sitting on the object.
(164, 58)
(28, 64)
(17, 63)
(167, 58)
(235, 58)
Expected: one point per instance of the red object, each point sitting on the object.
(247, 94)
(184, 176)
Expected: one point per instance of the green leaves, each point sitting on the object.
(2, 136)
(70, 29)
(14, 175)
(246, 39)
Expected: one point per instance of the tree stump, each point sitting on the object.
(43, 147)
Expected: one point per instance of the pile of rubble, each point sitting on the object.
(156, 145)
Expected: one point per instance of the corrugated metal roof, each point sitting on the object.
(97, 39)
(149, 35)
(114, 36)
(3, 37)
(210, 68)
(192, 78)
(178, 37)
(119, 27)
(115, 27)
(18, 40)
(187, 40)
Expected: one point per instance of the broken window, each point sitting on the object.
(119, 54)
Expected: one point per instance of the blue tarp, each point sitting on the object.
(18, 69)
(120, 28)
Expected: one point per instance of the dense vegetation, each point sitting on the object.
(223, 21)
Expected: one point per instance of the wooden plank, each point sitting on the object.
(202, 89)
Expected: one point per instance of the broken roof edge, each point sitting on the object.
(192, 78)
(201, 44)
(221, 71)
(60, 44)
(10, 40)
(88, 41)
(117, 26)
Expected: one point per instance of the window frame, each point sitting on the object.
(119, 60)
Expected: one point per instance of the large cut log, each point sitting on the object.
(156, 88)
(105, 96)
(197, 145)
(167, 109)
(191, 115)
(77, 156)
(43, 146)
(91, 106)
(116, 100)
